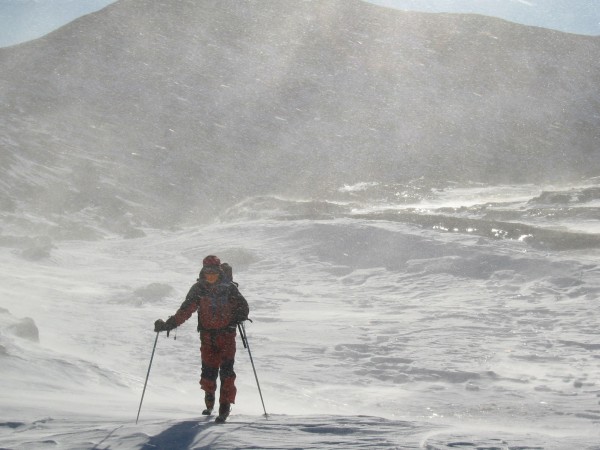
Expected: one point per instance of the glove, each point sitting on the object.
(161, 325)
(239, 318)
(240, 314)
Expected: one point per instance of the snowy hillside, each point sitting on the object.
(157, 112)
(410, 203)
(367, 333)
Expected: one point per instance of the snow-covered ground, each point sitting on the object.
(368, 332)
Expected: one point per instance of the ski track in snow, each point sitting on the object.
(366, 334)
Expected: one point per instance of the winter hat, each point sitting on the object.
(212, 261)
(210, 264)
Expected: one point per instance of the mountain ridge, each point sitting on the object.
(156, 112)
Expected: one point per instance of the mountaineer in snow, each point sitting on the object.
(220, 307)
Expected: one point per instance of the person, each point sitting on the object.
(220, 307)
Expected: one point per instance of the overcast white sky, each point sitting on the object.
(22, 20)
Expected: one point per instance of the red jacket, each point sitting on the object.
(220, 306)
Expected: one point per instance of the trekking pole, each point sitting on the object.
(147, 375)
(247, 346)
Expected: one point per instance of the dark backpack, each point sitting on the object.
(227, 272)
(227, 278)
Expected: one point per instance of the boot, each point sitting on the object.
(224, 410)
(209, 401)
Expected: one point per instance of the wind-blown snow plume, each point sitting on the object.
(152, 112)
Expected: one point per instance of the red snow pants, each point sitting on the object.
(217, 350)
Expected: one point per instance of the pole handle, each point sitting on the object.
(242, 335)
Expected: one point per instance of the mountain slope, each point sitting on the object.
(221, 99)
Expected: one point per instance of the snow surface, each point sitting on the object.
(367, 333)
(396, 303)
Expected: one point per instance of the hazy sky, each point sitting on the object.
(22, 20)
(573, 16)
